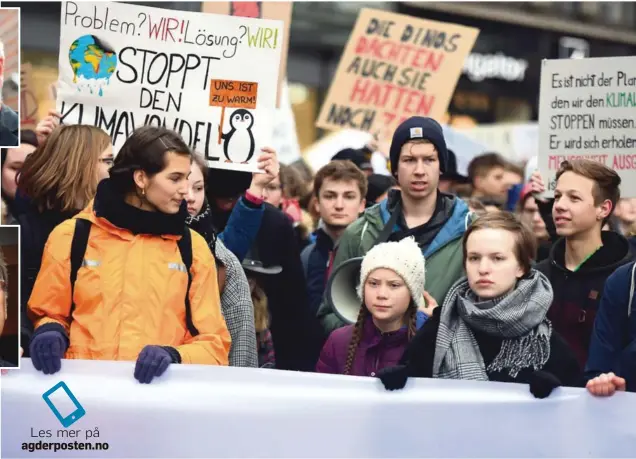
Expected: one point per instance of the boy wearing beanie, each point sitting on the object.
(434, 219)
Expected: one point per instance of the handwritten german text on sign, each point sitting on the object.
(587, 109)
(395, 67)
(123, 66)
(281, 11)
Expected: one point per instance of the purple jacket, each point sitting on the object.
(376, 351)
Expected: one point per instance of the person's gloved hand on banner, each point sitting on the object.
(47, 349)
(154, 361)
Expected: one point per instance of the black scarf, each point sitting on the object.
(204, 225)
(110, 204)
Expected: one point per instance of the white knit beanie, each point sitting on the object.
(405, 258)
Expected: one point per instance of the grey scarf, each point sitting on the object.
(519, 318)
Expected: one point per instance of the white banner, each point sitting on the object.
(199, 411)
(587, 109)
(212, 78)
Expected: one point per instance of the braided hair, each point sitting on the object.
(355, 338)
(411, 314)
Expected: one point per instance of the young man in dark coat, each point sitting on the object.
(295, 330)
(340, 189)
(613, 346)
(584, 257)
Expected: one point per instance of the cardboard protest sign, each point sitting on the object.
(124, 66)
(29, 117)
(395, 67)
(281, 11)
(587, 109)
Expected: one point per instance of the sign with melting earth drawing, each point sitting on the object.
(124, 66)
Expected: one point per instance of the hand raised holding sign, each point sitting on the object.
(268, 163)
(46, 126)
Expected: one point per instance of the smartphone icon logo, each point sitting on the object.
(64, 405)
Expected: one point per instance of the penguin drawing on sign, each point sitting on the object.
(239, 142)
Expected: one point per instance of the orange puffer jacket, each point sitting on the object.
(129, 293)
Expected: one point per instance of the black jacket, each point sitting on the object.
(577, 295)
(295, 330)
(418, 356)
(317, 255)
(9, 127)
(35, 229)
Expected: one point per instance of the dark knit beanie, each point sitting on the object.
(414, 128)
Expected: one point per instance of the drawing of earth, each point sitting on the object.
(93, 64)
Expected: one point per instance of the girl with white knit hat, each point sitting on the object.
(392, 296)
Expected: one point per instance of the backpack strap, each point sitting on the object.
(388, 227)
(78, 250)
(304, 257)
(185, 249)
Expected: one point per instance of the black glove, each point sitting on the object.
(393, 377)
(542, 383)
(154, 361)
(47, 349)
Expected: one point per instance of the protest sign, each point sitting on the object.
(587, 109)
(123, 66)
(28, 102)
(209, 411)
(394, 67)
(265, 10)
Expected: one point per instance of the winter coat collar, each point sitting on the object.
(614, 253)
(203, 224)
(371, 336)
(454, 227)
(110, 206)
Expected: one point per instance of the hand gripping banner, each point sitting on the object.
(97, 409)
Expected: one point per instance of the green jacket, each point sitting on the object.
(443, 256)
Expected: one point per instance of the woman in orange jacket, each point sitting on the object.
(125, 279)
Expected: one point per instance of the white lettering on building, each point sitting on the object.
(479, 67)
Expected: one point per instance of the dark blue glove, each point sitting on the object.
(394, 378)
(153, 361)
(542, 383)
(47, 349)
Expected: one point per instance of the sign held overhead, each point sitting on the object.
(393, 67)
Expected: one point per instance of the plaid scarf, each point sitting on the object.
(519, 318)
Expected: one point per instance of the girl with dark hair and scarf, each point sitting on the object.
(141, 294)
(492, 325)
(391, 290)
(236, 302)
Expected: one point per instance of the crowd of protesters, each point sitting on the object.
(150, 256)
